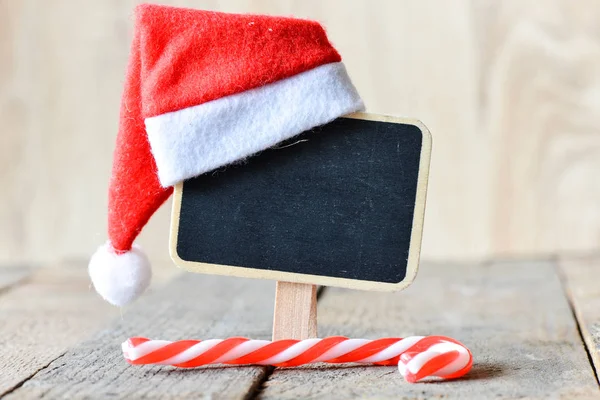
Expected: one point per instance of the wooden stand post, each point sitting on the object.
(295, 311)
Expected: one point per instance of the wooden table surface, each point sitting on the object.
(533, 327)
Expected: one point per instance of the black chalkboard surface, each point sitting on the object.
(340, 205)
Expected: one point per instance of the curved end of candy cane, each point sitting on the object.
(446, 359)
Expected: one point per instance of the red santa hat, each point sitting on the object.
(205, 89)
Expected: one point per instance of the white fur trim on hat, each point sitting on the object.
(198, 139)
(120, 278)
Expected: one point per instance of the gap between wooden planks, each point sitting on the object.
(514, 316)
(43, 316)
(192, 306)
(581, 277)
(44, 312)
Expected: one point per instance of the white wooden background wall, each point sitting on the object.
(510, 91)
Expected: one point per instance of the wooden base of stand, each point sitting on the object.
(295, 311)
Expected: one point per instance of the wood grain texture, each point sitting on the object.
(580, 276)
(190, 307)
(538, 97)
(510, 91)
(43, 317)
(513, 316)
(295, 313)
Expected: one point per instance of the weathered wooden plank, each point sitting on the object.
(11, 276)
(581, 277)
(41, 318)
(513, 316)
(191, 307)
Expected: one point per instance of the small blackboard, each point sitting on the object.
(339, 205)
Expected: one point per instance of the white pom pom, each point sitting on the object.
(120, 278)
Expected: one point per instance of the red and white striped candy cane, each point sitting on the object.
(417, 357)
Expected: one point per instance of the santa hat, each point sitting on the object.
(205, 89)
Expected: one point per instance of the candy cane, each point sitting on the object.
(417, 357)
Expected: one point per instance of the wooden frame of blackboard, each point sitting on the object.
(415, 239)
